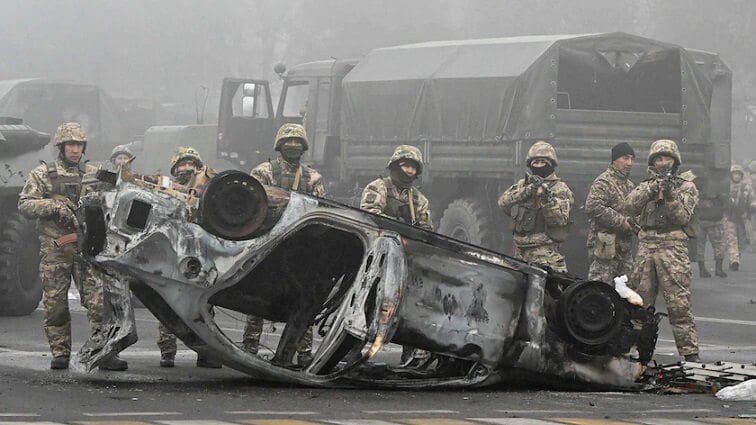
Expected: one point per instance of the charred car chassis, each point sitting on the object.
(361, 280)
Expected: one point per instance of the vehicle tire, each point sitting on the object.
(469, 221)
(20, 287)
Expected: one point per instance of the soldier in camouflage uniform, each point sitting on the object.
(665, 202)
(540, 207)
(289, 173)
(610, 241)
(120, 155)
(185, 163)
(752, 221)
(50, 196)
(740, 206)
(396, 197)
(710, 211)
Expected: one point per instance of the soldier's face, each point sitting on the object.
(624, 163)
(664, 162)
(186, 166)
(121, 159)
(736, 177)
(538, 163)
(73, 151)
(408, 168)
(292, 142)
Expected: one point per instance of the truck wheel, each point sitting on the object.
(20, 288)
(468, 221)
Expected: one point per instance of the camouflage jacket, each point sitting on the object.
(681, 207)
(742, 199)
(602, 206)
(36, 199)
(556, 209)
(377, 194)
(313, 185)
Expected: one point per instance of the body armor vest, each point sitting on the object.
(529, 220)
(397, 208)
(68, 187)
(286, 179)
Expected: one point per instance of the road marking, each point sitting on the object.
(408, 412)
(542, 412)
(514, 421)
(269, 412)
(728, 321)
(133, 414)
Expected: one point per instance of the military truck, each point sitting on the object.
(474, 107)
(20, 289)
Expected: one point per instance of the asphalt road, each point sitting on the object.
(30, 393)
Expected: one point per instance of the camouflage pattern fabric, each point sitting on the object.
(70, 132)
(185, 153)
(731, 240)
(556, 212)
(376, 196)
(662, 261)
(290, 131)
(602, 206)
(714, 232)
(264, 174)
(407, 152)
(312, 186)
(58, 265)
(542, 150)
(166, 340)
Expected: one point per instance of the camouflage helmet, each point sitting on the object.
(542, 150)
(290, 130)
(121, 150)
(185, 153)
(736, 168)
(664, 147)
(407, 152)
(70, 132)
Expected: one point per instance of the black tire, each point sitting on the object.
(469, 221)
(20, 287)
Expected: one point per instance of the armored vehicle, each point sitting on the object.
(20, 289)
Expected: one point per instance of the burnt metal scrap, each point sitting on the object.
(360, 279)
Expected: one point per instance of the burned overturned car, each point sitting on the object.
(361, 280)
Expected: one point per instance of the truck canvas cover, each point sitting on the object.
(510, 88)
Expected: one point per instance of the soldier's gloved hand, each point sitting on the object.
(666, 188)
(529, 191)
(66, 218)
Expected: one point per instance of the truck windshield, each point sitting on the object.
(295, 100)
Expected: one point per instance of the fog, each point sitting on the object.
(177, 51)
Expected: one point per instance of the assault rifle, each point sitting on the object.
(539, 183)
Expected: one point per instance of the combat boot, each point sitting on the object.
(702, 270)
(60, 362)
(167, 360)
(718, 268)
(692, 358)
(114, 364)
(735, 266)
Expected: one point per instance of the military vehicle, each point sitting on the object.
(20, 289)
(474, 107)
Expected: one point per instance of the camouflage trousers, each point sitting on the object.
(731, 240)
(714, 232)
(166, 340)
(607, 270)
(57, 266)
(547, 254)
(665, 266)
(253, 331)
